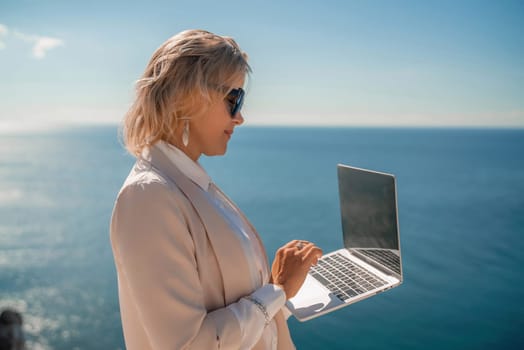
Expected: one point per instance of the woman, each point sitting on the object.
(192, 271)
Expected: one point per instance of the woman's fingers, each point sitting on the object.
(292, 262)
(308, 252)
(312, 254)
(296, 243)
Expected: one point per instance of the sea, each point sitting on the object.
(461, 214)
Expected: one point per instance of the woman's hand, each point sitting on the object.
(292, 263)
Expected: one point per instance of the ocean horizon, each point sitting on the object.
(461, 212)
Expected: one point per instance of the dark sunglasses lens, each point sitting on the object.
(238, 105)
(236, 97)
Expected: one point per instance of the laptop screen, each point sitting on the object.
(368, 209)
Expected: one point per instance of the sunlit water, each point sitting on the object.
(461, 210)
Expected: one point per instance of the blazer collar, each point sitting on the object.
(228, 249)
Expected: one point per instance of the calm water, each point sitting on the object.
(461, 209)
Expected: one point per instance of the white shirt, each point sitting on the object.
(250, 317)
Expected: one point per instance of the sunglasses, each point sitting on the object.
(235, 98)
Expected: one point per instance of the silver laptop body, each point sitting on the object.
(370, 261)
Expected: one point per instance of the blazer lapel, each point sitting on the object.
(228, 249)
(259, 241)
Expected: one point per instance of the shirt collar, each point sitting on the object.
(186, 165)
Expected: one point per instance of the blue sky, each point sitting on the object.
(366, 63)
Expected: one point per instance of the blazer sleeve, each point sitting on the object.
(155, 252)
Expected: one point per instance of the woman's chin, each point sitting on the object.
(220, 152)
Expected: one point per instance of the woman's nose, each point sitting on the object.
(238, 118)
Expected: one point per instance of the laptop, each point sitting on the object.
(370, 261)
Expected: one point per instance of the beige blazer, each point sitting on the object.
(178, 264)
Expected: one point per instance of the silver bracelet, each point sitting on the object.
(260, 306)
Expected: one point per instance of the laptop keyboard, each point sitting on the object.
(385, 257)
(344, 278)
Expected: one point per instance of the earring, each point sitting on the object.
(185, 133)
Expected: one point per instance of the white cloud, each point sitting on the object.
(3, 33)
(41, 44)
(44, 44)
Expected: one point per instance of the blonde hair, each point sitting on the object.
(178, 83)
